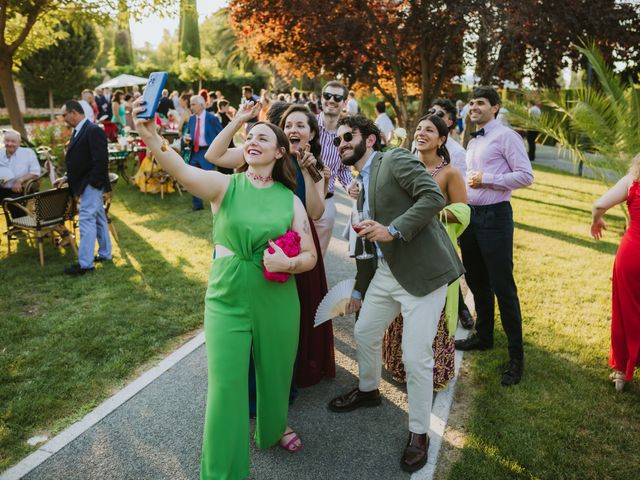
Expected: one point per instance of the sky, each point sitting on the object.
(150, 30)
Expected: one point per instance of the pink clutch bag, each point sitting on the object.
(290, 245)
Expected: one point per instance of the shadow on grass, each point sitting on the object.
(67, 341)
(564, 420)
(555, 188)
(599, 246)
(558, 193)
(152, 212)
(581, 212)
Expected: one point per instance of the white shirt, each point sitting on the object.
(88, 111)
(364, 174)
(534, 112)
(78, 127)
(352, 106)
(458, 156)
(21, 163)
(202, 141)
(385, 125)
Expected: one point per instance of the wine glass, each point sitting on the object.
(356, 223)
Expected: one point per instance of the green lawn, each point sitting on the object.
(67, 343)
(564, 420)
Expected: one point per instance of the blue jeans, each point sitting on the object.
(197, 160)
(93, 224)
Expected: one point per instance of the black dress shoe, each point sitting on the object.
(472, 342)
(355, 399)
(466, 320)
(415, 453)
(100, 259)
(513, 374)
(76, 270)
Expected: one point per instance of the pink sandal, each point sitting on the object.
(290, 444)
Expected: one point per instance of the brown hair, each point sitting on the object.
(634, 170)
(443, 131)
(117, 96)
(282, 170)
(314, 143)
(337, 84)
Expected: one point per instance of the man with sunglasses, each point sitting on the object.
(333, 99)
(414, 263)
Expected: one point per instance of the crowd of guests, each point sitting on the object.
(414, 209)
(274, 207)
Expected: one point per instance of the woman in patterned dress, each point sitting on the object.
(430, 137)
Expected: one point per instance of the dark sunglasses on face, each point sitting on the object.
(439, 113)
(327, 96)
(347, 137)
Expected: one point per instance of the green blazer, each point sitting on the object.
(402, 193)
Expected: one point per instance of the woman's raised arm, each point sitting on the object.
(207, 185)
(219, 152)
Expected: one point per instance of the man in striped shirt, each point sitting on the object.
(334, 98)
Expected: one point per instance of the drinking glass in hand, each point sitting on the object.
(356, 223)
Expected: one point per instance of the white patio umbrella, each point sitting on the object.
(124, 80)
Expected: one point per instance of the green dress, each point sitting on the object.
(244, 310)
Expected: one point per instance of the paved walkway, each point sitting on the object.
(153, 428)
(550, 157)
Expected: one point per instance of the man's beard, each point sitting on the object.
(358, 152)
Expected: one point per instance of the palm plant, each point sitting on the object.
(598, 125)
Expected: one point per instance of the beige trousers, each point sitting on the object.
(384, 300)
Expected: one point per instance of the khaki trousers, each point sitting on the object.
(384, 300)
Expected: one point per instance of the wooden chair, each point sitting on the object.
(162, 177)
(39, 215)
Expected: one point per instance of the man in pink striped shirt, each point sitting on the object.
(497, 164)
(334, 98)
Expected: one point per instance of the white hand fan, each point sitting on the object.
(335, 302)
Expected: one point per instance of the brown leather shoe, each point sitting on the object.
(415, 453)
(355, 399)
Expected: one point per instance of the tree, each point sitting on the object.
(163, 57)
(64, 66)
(194, 69)
(189, 33)
(122, 49)
(402, 48)
(220, 42)
(26, 26)
(602, 118)
(536, 36)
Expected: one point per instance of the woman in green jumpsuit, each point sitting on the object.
(244, 310)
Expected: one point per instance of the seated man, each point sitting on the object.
(17, 164)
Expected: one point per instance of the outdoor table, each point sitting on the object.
(118, 158)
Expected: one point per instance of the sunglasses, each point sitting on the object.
(328, 96)
(347, 137)
(438, 113)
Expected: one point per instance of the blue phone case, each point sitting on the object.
(152, 93)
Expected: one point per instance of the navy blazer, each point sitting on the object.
(212, 127)
(103, 106)
(87, 159)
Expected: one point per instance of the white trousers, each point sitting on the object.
(384, 300)
(324, 225)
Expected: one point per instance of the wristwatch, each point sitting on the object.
(394, 232)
